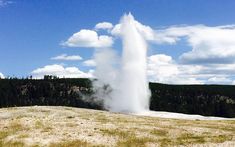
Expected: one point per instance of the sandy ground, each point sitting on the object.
(66, 126)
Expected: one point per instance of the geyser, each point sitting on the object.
(128, 81)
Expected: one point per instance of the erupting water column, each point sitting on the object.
(133, 92)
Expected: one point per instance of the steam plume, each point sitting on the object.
(129, 91)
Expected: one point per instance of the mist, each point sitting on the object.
(122, 81)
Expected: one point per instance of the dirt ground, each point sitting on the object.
(68, 127)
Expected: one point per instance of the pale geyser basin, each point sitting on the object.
(174, 115)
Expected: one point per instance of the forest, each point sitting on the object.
(208, 100)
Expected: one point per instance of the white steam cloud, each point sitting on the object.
(128, 89)
(1, 75)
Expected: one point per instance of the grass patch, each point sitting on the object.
(3, 134)
(102, 118)
(67, 108)
(127, 138)
(23, 136)
(158, 132)
(46, 111)
(11, 144)
(73, 143)
(35, 145)
(39, 124)
(32, 110)
(70, 117)
(12, 129)
(20, 116)
(196, 139)
(189, 138)
(116, 132)
(133, 141)
(15, 126)
(165, 142)
(71, 124)
(220, 138)
(14, 144)
(47, 129)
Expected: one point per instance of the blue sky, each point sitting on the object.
(31, 33)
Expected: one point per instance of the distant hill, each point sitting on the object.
(208, 100)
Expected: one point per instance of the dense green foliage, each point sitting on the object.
(209, 100)
(55, 92)
(214, 100)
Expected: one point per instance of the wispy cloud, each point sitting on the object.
(65, 57)
(4, 3)
(90, 62)
(61, 71)
(104, 26)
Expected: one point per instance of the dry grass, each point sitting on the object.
(73, 143)
(68, 127)
(13, 128)
(13, 144)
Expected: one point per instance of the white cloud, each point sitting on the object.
(89, 62)
(60, 71)
(220, 69)
(67, 58)
(219, 79)
(1, 75)
(233, 83)
(104, 26)
(88, 38)
(161, 64)
(162, 68)
(4, 3)
(210, 59)
(210, 45)
(147, 32)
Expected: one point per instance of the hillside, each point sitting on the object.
(207, 100)
(68, 127)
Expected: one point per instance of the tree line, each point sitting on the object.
(208, 100)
